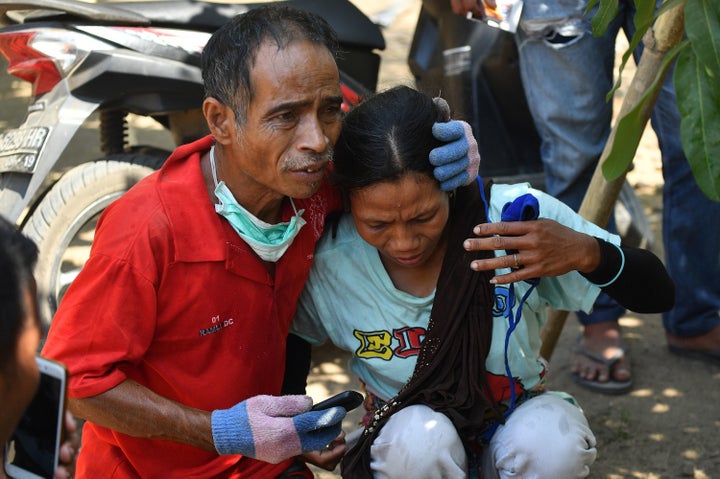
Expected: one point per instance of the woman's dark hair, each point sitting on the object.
(18, 256)
(386, 136)
(230, 53)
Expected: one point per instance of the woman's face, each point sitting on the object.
(403, 219)
(20, 379)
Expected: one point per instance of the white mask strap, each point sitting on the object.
(212, 165)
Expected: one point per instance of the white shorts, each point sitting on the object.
(546, 437)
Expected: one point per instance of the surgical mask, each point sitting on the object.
(268, 241)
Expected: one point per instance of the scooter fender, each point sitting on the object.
(30, 152)
(132, 81)
(138, 83)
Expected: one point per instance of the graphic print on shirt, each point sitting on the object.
(216, 324)
(500, 384)
(374, 344)
(410, 341)
(406, 342)
(380, 344)
(501, 308)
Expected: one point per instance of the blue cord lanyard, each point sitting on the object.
(514, 320)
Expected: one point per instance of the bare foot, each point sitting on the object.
(602, 341)
(707, 341)
(705, 346)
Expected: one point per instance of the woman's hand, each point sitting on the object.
(68, 449)
(329, 457)
(538, 248)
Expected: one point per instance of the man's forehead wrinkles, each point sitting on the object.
(288, 105)
(299, 104)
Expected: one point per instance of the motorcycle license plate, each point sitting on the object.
(20, 148)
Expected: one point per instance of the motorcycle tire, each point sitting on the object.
(63, 223)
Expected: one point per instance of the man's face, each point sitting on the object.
(293, 120)
(18, 387)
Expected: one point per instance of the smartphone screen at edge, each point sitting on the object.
(32, 445)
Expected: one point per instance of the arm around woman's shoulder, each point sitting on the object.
(561, 241)
(633, 277)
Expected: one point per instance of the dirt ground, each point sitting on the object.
(669, 425)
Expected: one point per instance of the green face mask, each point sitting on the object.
(268, 241)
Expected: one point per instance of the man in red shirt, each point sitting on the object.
(174, 332)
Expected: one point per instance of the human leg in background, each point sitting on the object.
(691, 235)
(566, 73)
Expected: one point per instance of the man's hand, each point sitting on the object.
(458, 160)
(275, 428)
(462, 7)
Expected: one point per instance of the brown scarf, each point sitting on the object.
(450, 374)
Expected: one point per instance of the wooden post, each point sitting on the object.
(600, 198)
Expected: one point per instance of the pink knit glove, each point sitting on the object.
(274, 428)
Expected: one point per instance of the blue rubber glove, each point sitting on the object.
(522, 208)
(274, 428)
(457, 162)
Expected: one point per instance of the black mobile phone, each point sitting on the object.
(346, 399)
(33, 451)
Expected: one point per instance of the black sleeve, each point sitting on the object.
(643, 286)
(297, 365)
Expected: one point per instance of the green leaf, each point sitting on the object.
(702, 26)
(607, 11)
(625, 143)
(644, 13)
(630, 127)
(590, 5)
(643, 19)
(699, 104)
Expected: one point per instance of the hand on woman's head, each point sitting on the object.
(402, 130)
(457, 161)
